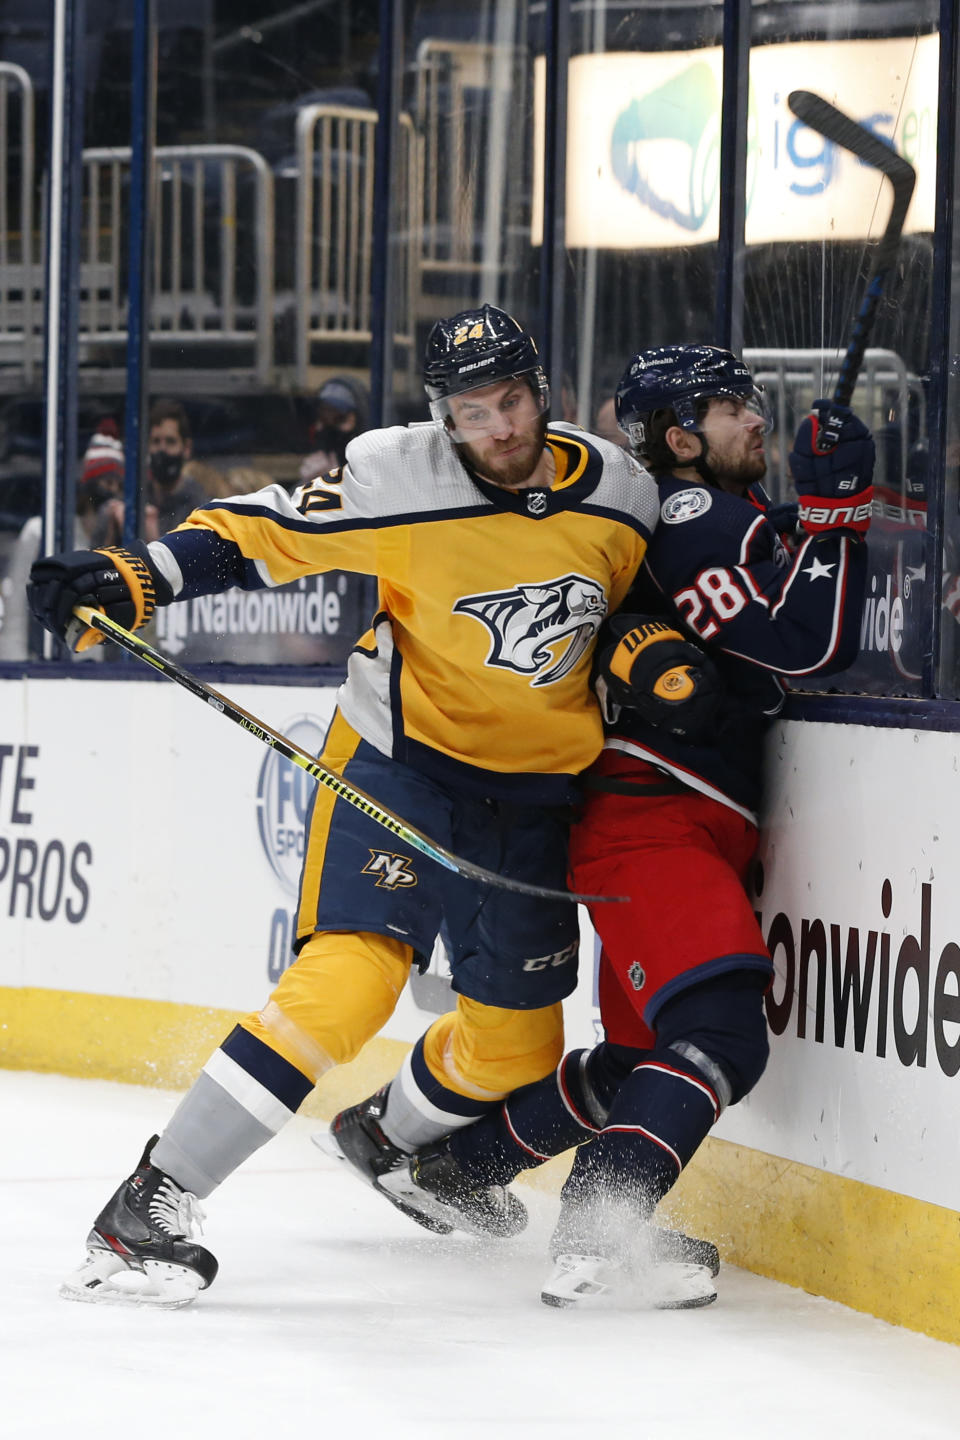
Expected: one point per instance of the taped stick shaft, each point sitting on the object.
(352, 794)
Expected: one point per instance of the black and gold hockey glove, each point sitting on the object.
(122, 583)
(645, 665)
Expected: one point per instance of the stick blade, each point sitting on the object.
(835, 125)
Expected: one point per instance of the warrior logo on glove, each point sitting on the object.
(645, 664)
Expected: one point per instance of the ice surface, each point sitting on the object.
(334, 1316)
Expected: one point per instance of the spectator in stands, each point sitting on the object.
(170, 491)
(343, 409)
(99, 521)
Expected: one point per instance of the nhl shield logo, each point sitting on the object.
(541, 630)
(537, 502)
(686, 505)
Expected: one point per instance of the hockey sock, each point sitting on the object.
(421, 1109)
(243, 1095)
(659, 1118)
(543, 1119)
(464, 1066)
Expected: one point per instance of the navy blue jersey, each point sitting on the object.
(719, 570)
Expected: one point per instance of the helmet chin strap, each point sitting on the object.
(702, 465)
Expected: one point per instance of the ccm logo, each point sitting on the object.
(548, 962)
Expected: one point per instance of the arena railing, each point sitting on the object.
(334, 229)
(19, 266)
(197, 262)
(793, 379)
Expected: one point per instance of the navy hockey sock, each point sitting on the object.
(658, 1120)
(544, 1119)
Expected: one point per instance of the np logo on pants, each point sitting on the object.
(392, 871)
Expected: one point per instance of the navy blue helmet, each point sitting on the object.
(479, 347)
(678, 377)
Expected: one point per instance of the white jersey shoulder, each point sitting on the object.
(625, 484)
(408, 469)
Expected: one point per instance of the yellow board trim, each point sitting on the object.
(872, 1250)
(153, 1042)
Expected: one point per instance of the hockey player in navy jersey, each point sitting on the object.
(670, 819)
(500, 542)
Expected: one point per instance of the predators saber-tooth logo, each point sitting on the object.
(392, 871)
(529, 624)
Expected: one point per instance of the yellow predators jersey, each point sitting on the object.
(477, 666)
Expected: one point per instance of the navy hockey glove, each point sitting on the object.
(122, 583)
(832, 464)
(645, 665)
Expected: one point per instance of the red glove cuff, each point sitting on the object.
(852, 512)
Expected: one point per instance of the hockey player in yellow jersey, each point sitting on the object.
(500, 542)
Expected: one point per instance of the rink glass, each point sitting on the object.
(269, 276)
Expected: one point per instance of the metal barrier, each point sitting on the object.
(334, 242)
(19, 269)
(198, 298)
(795, 378)
(470, 152)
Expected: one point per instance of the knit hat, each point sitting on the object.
(343, 393)
(103, 459)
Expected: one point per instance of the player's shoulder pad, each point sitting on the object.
(391, 440)
(688, 511)
(625, 484)
(409, 469)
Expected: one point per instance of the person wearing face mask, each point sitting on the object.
(170, 492)
(342, 410)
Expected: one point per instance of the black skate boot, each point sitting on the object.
(140, 1250)
(675, 1246)
(433, 1182)
(355, 1136)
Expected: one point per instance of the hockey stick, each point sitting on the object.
(340, 787)
(834, 125)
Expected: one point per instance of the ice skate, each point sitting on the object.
(356, 1137)
(674, 1246)
(140, 1250)
(591, 1280)
(605, 1252)
(433, 1183)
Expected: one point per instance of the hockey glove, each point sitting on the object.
(122, 583)
(832, 464)
(645, 665)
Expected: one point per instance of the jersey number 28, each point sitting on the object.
(715, 599)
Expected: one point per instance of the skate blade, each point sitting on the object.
(433, 1213)
(415, 1203)
(105, 1279)
(326, 1141)
(672, 1285)
(589, 1281)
